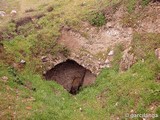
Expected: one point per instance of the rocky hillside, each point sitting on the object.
(80, 60)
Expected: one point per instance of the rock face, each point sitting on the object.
(71, 76)
(128, 59)
(157, 53)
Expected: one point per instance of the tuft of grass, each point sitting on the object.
(145, 42)
(145, 2)
(98, 19)
(131, 4)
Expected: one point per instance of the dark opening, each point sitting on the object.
(71, 76)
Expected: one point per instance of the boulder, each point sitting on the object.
(128, 59)
(157, 53)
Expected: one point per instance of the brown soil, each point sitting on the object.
(71, 76)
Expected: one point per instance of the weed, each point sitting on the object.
(145, 2)
(98, 19)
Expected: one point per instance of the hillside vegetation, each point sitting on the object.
(25, 94)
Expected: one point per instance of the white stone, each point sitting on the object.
(44, 72)
(4, 78)
(132, 111)
(80, 109)
(13, 12)
(2, 13)
(116, 104)
(111, 53)
(107, 61)
(108, 66)
(22, 61)
(101, 66)
(109, 25)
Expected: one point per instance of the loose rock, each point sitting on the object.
(107, 61)
(44, 58)
(111, 53)
(2, 13)
(4, 78)
(13, 12)
(23, 62)
(157, 53)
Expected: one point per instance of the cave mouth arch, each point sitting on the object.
(71, 76)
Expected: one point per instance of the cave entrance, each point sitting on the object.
(71, 76)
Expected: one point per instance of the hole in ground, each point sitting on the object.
(71, 76)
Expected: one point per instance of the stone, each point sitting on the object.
(23, 62)
(132, 111)
(44, 72)
(80, 109)
(108, 66)
(157, 53)
(107, 61)
(4, 79)
(49, 68)
(44, 59)
(102, 66)
(13, 12)
(2, 13)
(111, 53)
(109, 25)
(128, 59)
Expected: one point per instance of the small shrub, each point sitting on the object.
(145, 2)
(131, 4)
(98, 19)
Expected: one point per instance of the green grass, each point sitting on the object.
(113, 95)
(98, 19)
